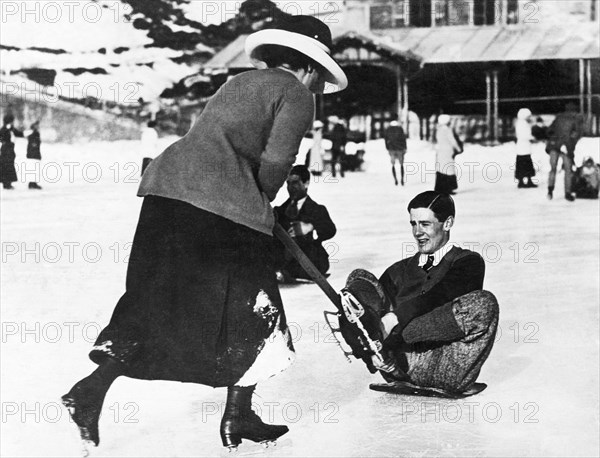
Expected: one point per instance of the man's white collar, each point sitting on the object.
(300, 203)
(438, 255)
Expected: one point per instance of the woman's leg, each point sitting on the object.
(240, 422)
(85, 399)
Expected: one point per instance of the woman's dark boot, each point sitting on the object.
(240, 422)
(84, 400)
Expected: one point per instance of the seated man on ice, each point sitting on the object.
(307, 222)
(435, 322)
(586, 182)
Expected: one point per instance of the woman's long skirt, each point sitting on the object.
(445, 183)
(524, 167)
(202, 303)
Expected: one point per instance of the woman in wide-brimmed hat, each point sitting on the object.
(202, 303)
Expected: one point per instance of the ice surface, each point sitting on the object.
(542, 264)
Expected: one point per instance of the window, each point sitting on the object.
(485, 12)
(452, 12)
(388, 14)
(420, 13)
(512, 12)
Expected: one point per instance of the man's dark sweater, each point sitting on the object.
(414, 292)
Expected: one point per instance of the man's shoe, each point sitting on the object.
(570, 197)
(531, 184)
(549, 196)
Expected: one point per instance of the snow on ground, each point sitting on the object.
(64, 252)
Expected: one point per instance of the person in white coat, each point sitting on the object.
(524, 170)
(149, 144)
(315, 155)
(447, 147)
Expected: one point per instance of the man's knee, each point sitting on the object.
(476, 312)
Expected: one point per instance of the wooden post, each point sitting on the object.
(589, 95)
(488, 103)
(495, 121)
(399, 91)
(433, 13)
(405, 106)
(581, 86)
(471, 12)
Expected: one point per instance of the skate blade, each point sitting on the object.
(87, 448)
(267, 444)
(263, 448)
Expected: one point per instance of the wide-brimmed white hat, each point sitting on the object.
(305, 34)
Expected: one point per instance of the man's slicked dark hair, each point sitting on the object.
(440, 204)
(301, 171)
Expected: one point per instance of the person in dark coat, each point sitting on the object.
(8, 173)
(539, 130)
(34, 142)
(438, 324)
(338, 137)
(395, 142)
(563, 135)
(307, 222)
(202, 304)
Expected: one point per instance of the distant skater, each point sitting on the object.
(149, 144)
(338, 137)
(395, 142)
(563, 135)
(314, 158)
(524, 170)
(447, 147)
(8, 173)
(34, 144)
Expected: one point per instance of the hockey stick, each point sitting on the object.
(346, 303)
(307, 265)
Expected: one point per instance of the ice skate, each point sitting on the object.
(85, 415)
(240, 422)
(249, 427)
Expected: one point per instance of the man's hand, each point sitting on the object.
(381, 365)
(300, 228)
(388, 322)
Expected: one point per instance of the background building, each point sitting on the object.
(480, 60)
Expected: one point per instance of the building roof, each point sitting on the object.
(438, 45)
(231, 56)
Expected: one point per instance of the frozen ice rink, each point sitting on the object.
(64, 253)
